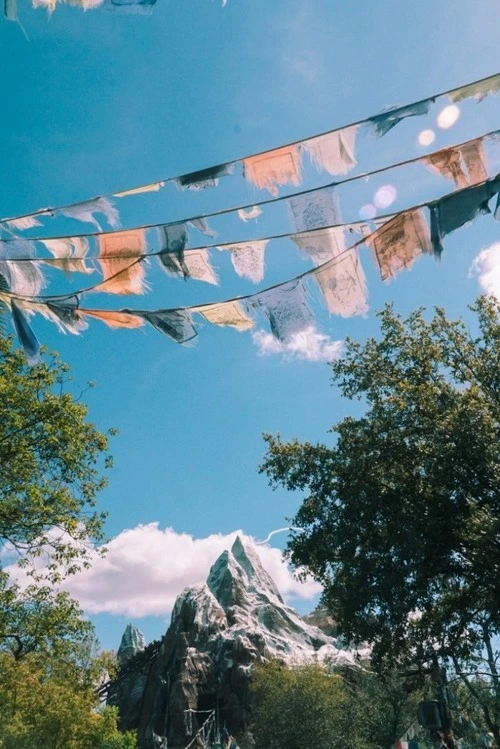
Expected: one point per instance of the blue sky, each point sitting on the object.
(96, 102)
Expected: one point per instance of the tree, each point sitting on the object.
(296, 706)
(51, 462)
(306, 705)
(401, 518)
(55, 709)
(51, 465)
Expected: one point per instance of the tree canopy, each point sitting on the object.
(400, 521)
(303, 705)
(51, 464)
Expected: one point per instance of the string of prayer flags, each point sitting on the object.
(85, 212)
(343, 285)
(122, 275)
(229, 314)
(286, 308)
(250, 213)
(153, 187)
(69, 254)
(399, 242)
(203, 178)
(464, 165)
(385, 121)
(177, 324)
(114, 319)
(273, 169)
(333, 152)
(247, 259)
(478, 90)
(24, 278)
(25, 334)
(458, 208)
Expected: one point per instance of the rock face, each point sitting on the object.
(218, 631)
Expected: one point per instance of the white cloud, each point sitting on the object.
(309, 345)
(146, 568)
(486, 268)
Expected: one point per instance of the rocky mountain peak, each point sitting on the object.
(218, 631)
(237, 577)
(132, 642)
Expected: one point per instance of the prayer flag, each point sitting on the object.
(286, 309)
(343, 285)
(334, 152)
(226, 313)
(270, 170)
(385, 121)
(398, 242)
(120, 255)
(247, 259)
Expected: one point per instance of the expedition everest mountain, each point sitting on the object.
(202, 666)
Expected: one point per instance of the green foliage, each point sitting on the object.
(296, 707)
(307, 706)
(51, 469)
(51, 461)
(401, 518)
(53, 710)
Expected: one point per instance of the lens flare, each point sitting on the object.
(448, 116)
(385, 196)
(426, 137)
(367, 211)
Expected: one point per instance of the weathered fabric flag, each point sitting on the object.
(271, 170)
(455, 210)
(464, 165)
(321, 245)
(385, 121)
(247, 259)
(120, 254)
(249, 213)
(477, 90)
(203, 178)
(315, 210)
(153, 187)
(226, 313)
(69, 254)
(343, 284)
(286, 309)
(22, 275)
(25, 334)
(85, 212)
(399, 242)
(113, 318)
(177, 324)
(334, 152)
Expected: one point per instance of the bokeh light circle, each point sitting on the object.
(448, 116)
(426, 137)
(385, 196)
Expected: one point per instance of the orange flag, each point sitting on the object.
(122, 275)
(270, 170)
(114, 319)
